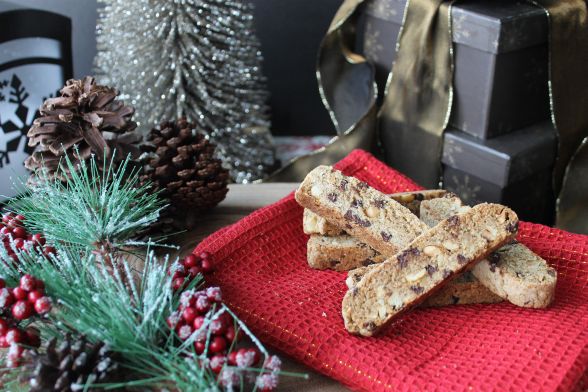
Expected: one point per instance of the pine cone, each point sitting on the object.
(88, 116)
(71, 364)
(180, 163)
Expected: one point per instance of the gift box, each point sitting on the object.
(513, 169)
(500, 58)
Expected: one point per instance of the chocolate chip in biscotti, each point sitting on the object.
(332, 197)
(393, 287)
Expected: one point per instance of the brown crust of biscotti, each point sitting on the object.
(513, 272)
(365, 213)
(315, 224)
(393, 287)
(340, 253)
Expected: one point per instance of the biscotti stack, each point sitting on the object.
(416, 248)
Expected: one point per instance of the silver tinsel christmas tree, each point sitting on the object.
(194, 58)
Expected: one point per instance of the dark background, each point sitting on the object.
(290, 33)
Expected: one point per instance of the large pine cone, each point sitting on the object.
(180, 163)
(69, 365)
(86, 116)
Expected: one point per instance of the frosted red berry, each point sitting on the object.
(177, 283)
(198, 322)
(217, 327)
(43, 305)
(22, 310)
(34, 296)
(19, 293)
(6, 298)
(28, 282)
(184, 331)
(189, 314)
(217, 362)
(202, 304)
(14, 335)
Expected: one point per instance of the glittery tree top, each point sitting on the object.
(194, 58)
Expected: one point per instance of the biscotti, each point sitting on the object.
(425, 265)
(339, 253)
(465, 289)
(315, 224)
(365, 213)
(514, 272)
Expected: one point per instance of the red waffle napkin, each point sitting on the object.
(264, 276)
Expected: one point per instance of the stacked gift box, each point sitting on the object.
(500, 145)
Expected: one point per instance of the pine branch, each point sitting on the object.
(92, 211)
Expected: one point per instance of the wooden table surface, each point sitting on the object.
(240, 202)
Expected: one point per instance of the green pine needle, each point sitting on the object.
(93, 208)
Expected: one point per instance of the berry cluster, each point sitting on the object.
(187, 269)
(12, 231)
(18, 304)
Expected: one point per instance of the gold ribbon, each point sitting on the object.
(568, 62)
(419, 92)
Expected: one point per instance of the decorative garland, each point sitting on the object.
(78, 315)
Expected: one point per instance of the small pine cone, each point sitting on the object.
(86, 117)
(69, 365)
(180, 163)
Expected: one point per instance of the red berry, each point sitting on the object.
(217, 362)
(19, 218)
(40, 285)
(22, 310)
(32, 337)
(49, 250)
(214, 294)
(193, 271)
(38, 239)
(204, 255)
(19, 232)
(34, 296)
(184, 331)
(232, 358)
(189, 314)
(190, 261)
(173, 320)
(6, 298)
(14, 335)
(5, 231)
(202, 304)
(3, 343)
(230, 334)
(217, 344)
(19, 293)
(7, 217)
(199, 347)
(178, 274)
(2, 283)
(43, 305)
(28, 282)
(177, 283)
(198, 322)
(217, 327)
(19, 243)
(207, 266)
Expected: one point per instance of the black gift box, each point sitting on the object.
(500, 56)
(513, 169)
